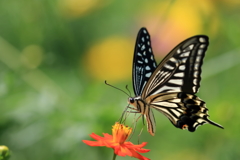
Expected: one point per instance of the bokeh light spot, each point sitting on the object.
(176, 22)
(32, 56)
(111, 59)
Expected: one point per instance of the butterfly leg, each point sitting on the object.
(135, 123)
(121, 119)
(135, 110)
(139, 135)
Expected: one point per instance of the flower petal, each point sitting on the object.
(137, 147)
(137, 155)
(107, 136)
(142, 150)
(93, 143)
(96, 137)
(101, 141)
(122, 151)
(130, 144)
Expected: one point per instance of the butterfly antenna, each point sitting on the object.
(128, 90)
(117, 88)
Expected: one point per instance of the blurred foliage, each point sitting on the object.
(55, 56)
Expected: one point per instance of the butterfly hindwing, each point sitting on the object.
(182, 109)
(144, 63)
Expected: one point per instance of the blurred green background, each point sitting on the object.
(55, 56)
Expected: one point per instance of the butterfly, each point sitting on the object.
(171, 86)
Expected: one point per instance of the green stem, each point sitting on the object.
(114, 156)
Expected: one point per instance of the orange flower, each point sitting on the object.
(117, 141)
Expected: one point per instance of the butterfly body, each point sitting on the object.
(171, 86)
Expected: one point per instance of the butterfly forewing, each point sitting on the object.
(180, 70)
(144, 63)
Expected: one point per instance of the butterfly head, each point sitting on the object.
(131, 100)
(135, 102)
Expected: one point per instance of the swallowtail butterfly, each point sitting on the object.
(171, 86)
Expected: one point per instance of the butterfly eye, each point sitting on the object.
(131, 100)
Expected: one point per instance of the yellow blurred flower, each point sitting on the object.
(110, 59)
(172, 22)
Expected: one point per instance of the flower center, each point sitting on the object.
(120, 133)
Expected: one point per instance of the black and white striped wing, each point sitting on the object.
(185, 111)
(144, 63)
(171, 86)
(180, 70)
